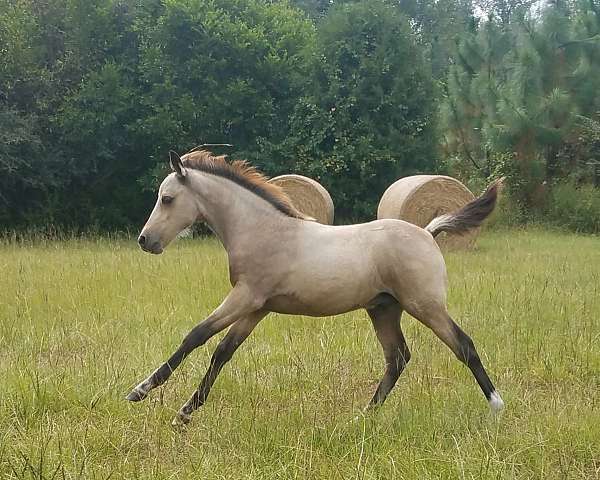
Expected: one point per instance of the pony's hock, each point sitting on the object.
(279, 261)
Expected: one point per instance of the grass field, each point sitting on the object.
(81, 322)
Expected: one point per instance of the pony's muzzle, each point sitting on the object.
(147, 245)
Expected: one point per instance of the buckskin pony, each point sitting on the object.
(282, 261)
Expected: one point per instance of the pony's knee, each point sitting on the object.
(223, 353)
(197, 337)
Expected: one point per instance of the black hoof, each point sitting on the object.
(181, 420)
(136, 396)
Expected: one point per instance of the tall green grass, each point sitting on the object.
(82, 321)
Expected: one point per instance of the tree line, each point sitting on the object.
(352, 93)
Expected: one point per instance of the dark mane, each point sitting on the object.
(245, 175)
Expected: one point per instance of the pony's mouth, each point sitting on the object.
(155, 249)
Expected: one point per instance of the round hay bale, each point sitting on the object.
(308, 196)
(421, 198)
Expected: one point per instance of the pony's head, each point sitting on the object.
(185, 197)
(176, 209)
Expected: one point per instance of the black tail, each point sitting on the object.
(470, 216)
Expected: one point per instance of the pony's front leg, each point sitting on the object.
(236, 335)
(241, 301)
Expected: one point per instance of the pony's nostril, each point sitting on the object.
(142, 240)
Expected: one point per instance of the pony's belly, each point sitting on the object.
(315, 306)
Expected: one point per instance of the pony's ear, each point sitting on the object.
(176, 164)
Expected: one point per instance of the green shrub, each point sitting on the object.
(575, 207)
(509, 212)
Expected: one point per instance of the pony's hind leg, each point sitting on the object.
(461, 344)
(386, 322)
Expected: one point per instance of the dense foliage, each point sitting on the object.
(365, 118)
(96, 95)
(522, 100)
(353, 93)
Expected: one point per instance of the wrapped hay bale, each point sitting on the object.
(308, 196)
(421, 198)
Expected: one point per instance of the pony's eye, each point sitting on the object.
(166, 199)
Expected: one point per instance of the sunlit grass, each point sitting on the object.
(81, 322)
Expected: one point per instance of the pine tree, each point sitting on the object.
(536, 108)
(586, 76)
(520, 96)
(582, 154)
(470, 102)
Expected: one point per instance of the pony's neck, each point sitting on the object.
(233, 213)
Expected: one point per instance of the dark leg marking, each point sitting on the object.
(239, 302)
(236, 335)
(386, 322)
(197, 337)
(464, 349)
